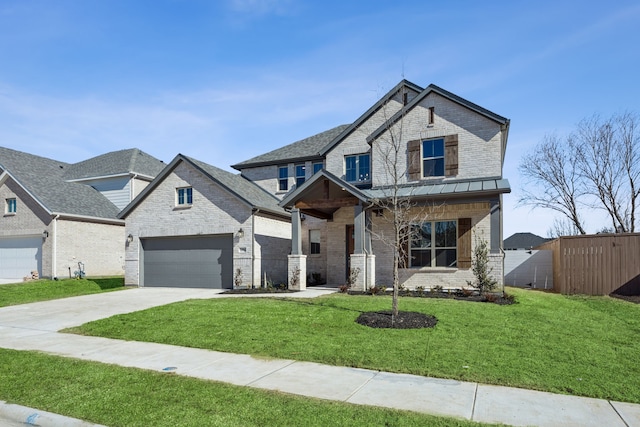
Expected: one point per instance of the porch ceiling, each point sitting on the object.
(323, 195)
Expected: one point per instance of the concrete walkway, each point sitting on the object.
(35, 326)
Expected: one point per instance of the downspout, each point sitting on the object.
(54, 249)
(253, 247)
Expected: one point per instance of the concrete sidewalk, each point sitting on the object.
(35, 326)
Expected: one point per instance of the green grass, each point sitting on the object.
(43, 290)
(118, 396)
(585, 346)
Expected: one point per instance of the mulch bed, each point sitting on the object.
(404, 320)
(500, 299)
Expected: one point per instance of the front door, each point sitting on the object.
(350, 238)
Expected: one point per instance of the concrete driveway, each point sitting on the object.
(34, 327)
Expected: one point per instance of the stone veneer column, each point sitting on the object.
(297, 262)
(359, 261)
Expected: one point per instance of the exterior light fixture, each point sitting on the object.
(129, 238)
(241, 233)
(45, 234)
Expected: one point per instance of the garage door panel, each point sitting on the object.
(19, 256)
(193, 262)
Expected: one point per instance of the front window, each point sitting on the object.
(283, 178)
(314, 242)
(357, 168)
(185, 196)
(300, 172)
(434, 244)
(10, 206)
(317, 167)
(433, 157)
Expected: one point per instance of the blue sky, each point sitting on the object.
(223, 81)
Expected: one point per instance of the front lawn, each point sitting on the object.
(118, 396)
(43, 290)
(575, 345)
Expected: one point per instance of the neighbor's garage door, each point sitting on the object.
(188, 262)
(19, 256)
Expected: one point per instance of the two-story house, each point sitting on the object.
(316, 207)
(428, 146)
(57, 214)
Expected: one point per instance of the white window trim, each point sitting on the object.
(422, 158)
(186, 204)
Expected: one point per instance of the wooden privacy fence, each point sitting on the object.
(597, 264)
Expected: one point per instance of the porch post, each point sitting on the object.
(371, 258)
(296, 232)
(297, 263)
(359, 257)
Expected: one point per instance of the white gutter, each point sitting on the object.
(89, 218)
(95, 178)
(54, 249)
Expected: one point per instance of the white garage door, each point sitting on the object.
(19, 256)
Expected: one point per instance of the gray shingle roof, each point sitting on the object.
(523, 241)
(132, 160)
(307, 148)
(249, 192)
(44, 179)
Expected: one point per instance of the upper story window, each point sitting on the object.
(300, 175)
(283, 178)
(314, 242)
(184, 196)
(433, 157)
(317, 167)
(357, 168)
(10, 206)
(434, 244)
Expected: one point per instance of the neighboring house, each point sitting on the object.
(57, 214)
(525, 266)
(199, 226)
(451, 159)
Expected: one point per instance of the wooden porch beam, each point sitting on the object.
(327, 204)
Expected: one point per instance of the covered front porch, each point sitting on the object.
(349, 255)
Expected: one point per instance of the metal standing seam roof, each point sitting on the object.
(465, 188)
(44, 179)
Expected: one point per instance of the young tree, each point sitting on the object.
(597, 167)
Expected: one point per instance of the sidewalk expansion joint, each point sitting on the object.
(362, 386)
(270, 373)
(475, 399)
(618, 413)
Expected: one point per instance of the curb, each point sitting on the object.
(34, 417)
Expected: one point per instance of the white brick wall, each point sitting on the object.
(479, 139)
(99, 246)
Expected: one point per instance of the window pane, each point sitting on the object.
(446, 234)
(11, 205)
(189, 196)
(350, 168)
(300, 170)
(314, 241)
(317, 167)
(421, 258)
(427, 149)
(363, 163)
(438, 147)
(283, 172)
(446, 258)
(181, 196)
(283, 185)
(421, 236)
